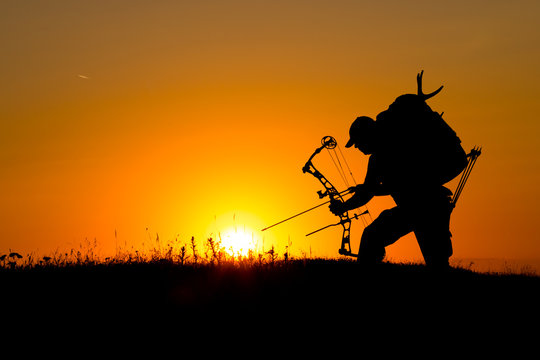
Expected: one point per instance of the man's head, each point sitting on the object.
(362, 133)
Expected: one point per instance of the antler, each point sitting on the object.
(420, 93)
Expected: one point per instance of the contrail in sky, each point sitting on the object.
(83, 77)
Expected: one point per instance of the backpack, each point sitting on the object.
(424, 149)
(445, 157)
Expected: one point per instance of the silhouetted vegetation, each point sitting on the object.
(194, 287)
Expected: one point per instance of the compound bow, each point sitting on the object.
(329, 142)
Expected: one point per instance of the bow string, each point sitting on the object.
(330, 143)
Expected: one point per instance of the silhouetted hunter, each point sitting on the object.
(413, 153)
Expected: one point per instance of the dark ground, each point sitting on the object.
(294, 297)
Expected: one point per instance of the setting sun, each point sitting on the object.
(235, 234)
(238, 241)
(194, 119)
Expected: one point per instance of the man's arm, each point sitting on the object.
(363, 192)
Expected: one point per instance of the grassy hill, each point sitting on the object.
(276, 290)
(270, 306)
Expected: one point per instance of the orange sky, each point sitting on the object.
(174, 117)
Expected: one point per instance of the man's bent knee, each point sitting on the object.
(371, 247)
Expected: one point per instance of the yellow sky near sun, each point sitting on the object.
(166, 116)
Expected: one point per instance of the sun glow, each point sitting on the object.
(238, 241)
(235, 233)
